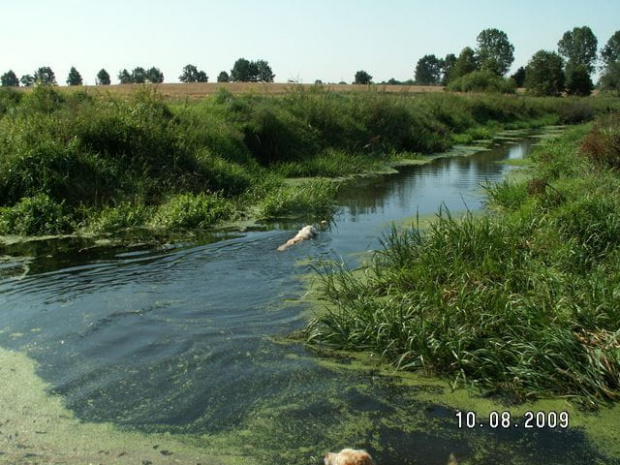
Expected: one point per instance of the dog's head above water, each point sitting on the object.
(348, 457)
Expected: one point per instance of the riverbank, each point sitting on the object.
(520, 303)
(102, 164)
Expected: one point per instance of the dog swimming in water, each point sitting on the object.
(305, 233)
(348, 457)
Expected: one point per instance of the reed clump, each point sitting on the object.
(523, 301)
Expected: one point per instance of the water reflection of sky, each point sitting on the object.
(369, 206)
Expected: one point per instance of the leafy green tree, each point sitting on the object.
(519, 77)
(154, 75)
(610, 80)
(138, 75)
(242, 71)
(74, 78)
(103, 78)
(447, 64)
(610, 56)
(45, 76)
(362, 77)
(223, 77)
(466, 63)
(495, 52)
(611, 51)
(579, 47)
(265, 74)
(251, 71)
(578, 81)
(192, 74)
(544, 74)
(428, 70)
(125, 77)
(27, 80)
(9, 79)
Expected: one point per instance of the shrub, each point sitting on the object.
(125, 215)
(9, 99)
(186, 211)
(506, 194)
(38, 215)
(483, 81)
(311, 201)
(43, 99)
(273, 134)
(602, 143)
(575, 112)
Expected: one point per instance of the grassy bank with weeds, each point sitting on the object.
(94, 163)
(523, 301)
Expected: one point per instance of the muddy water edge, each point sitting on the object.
(176, 353)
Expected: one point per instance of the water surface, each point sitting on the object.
(183, 338)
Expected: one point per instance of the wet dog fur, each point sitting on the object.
(348, 457)
(305, 233)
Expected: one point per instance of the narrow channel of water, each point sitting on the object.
(180, 339)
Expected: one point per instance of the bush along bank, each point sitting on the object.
(98, 163)
(522, 302)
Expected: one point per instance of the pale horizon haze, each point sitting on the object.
(303, 41)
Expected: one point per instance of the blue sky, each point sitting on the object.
(302, 40)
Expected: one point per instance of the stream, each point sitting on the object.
(186, 338)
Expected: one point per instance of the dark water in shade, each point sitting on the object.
(180, 338)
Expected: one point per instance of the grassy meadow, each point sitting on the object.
(521, 302)
(98, 163)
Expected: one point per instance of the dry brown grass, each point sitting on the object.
(199, 90)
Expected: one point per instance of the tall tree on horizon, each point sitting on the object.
(467, 62)
(45, 76)
(27, 80)
(495, 52)
(610, 56)
(103, 78)
(578, 47)
(265, 74)
(74, 78)
(544, 74)
(611, 51)
(192, 74)
(362, 77)
(9, 79)
(428, 70)
(125, 77)
(154, 75)
(446, 67)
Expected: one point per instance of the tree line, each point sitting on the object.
(243, 71)
(569, 69)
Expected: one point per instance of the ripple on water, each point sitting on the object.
(178, 339)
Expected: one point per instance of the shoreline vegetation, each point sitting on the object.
(519, 303)
(95, 164)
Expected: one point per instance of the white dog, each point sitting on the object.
(305, 233)
(348, 457)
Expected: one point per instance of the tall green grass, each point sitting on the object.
(524, 301)
(94, 153)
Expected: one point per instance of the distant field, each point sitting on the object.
(198, 90)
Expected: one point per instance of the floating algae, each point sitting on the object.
(35, 427)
